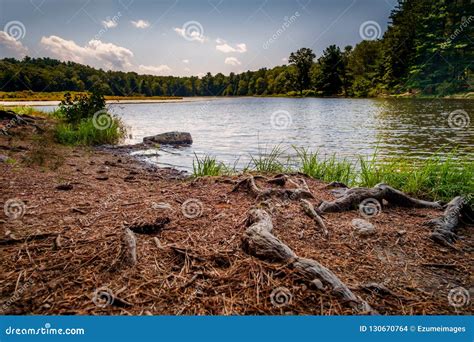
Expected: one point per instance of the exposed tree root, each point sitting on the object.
(353, 197)
(259, 241)
(300, 192)
(128, 250)
(445, 227)
(311, 212)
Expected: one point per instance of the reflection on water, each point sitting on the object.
(234, 128)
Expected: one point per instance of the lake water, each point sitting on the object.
(232, 129)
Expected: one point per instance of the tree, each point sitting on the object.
(332, 68)
(302, 60)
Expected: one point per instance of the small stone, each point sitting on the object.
(401, 232)
(3, 158)
(318, 284)
(363, 227)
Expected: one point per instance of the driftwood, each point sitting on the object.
(445, 227)
(259, 241)
(311, 212)
(353, 197)
(295, 194)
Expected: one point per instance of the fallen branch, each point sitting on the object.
(259, 241)
(311, 212)
(445, 227)
(353, 197)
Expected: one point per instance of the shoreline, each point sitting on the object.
(74, 214)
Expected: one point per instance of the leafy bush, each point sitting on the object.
(82, 106)
(85, 121)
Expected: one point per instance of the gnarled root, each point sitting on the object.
(259, 241)
(445, 227)
(353, 197)
(295, 194)
(311, 212)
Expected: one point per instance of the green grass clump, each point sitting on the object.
(86, 132)
(327, 169)
(207, 166)
(269, 162)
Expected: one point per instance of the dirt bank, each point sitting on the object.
(61, 251)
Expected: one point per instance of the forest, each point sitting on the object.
(426, 50)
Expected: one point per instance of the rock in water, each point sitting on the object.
(170, 138)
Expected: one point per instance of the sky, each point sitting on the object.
(185, 37)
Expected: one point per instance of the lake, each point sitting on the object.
(231, 129)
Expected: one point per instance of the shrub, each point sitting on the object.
(85, 121)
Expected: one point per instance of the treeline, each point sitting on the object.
(427, 48)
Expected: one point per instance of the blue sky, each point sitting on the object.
(184, 37)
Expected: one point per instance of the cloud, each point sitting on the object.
(222, 46)
(10, 47)
(187, 69)
(186, 61)
(191, 34)
(141, 24)
(155, 70)
(232, 61)
(95, 52)
(109, 23)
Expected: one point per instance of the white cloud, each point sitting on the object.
(141, 24)
(186, 61)
(10, 47)
(284, 60)
(155, 70)
(187, 69)
(192, 35)
(109, 23)
(95, 52)
(232, 61)
(222, 46)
